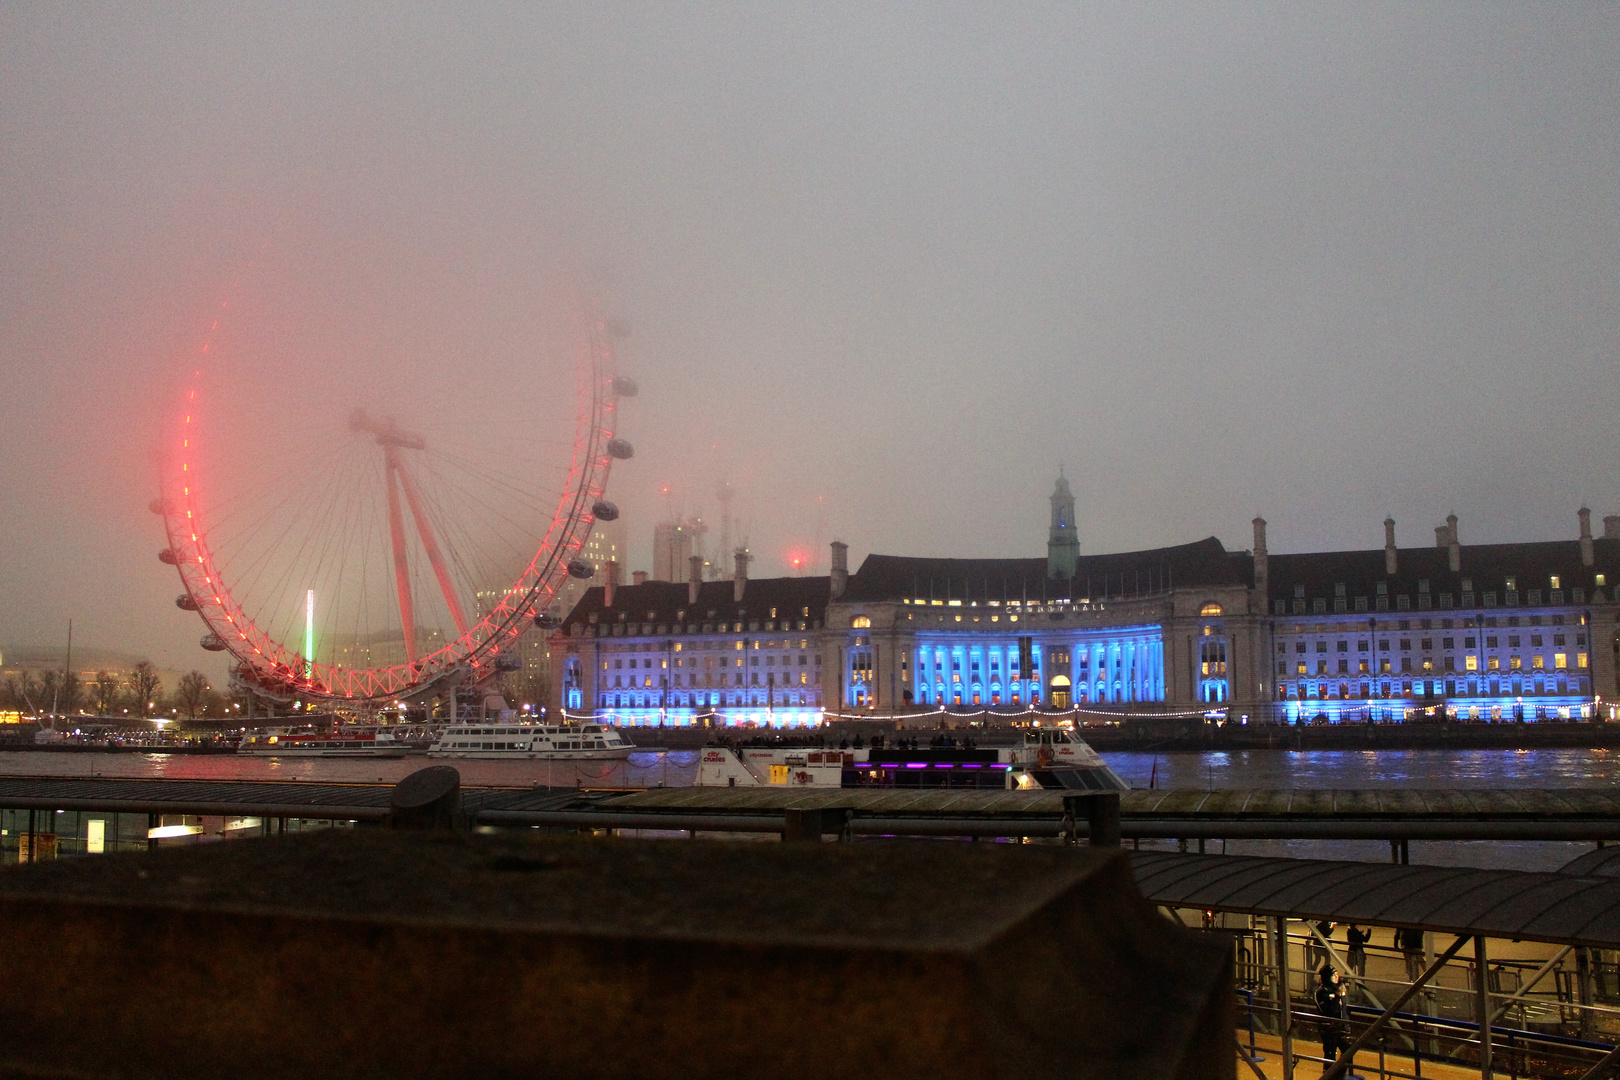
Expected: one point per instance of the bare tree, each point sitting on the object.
(192, 693)
(50, 690)
(144, 687)
(11, 693)
(26, 690)
(71, 691)
(104, 691)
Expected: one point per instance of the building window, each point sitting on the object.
(1210, 608)
(861, 622)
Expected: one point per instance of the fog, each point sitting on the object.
(886, 268)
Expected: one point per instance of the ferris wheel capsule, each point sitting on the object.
(621, 449)
(508, 663)
(168, 558)
(581, 569)
(185, 603)
(160, 506)
(213, 643)
(546, 621)
(625, 387)
(605, 511)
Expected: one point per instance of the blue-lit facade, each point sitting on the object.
(1124, 664)
(1511, 632)
(719, 653)
(1483, 665)
(1505, 632)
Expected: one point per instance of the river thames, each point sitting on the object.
(1248, 769)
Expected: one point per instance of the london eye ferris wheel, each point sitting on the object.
(360, 549)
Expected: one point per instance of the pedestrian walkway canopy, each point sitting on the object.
(1562, 908)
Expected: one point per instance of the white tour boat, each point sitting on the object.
(1044, 758)
(541, 742)
(362, 742)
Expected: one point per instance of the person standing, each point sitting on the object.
(1357, 939)
(1316, 953)
(1330, 1007)
(1410, 942)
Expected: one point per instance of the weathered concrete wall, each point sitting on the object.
(402, 955)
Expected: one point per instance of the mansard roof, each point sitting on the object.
(1486, 566)
(1203, 564)
(667, 602)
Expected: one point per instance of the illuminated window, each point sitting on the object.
(1555, 581)
(1537, 663)
(1494, 664)
(1514, 664)
(861, 621)
(1211, 608)
(1580, 659)
(1599, 580)
(1472, 663)
(1560, 660)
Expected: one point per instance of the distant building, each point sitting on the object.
(674, 544)
(724, 652)
(1503, 632)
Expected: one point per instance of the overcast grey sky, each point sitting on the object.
(888, 266)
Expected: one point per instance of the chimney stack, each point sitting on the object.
(739, 579)
(610, 582)
(1262, 568)
(1586, 537)
(639, 577)
(694, 579)
(1389, 547)
(1453, 548)
(1611, 527)
(840, 568)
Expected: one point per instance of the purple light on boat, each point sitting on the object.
(972, 766)
(943, 765)
(916, 764)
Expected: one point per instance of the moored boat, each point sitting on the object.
(1045, 758)
(360, 742)
(537, 742)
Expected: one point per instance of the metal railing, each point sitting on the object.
(1546, 1020)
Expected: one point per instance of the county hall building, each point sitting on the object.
(1501, 631)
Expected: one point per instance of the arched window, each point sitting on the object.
(1210, 608)
(861, 622)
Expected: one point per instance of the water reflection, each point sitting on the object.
(1341, 769)
(639, 770)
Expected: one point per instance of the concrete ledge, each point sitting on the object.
(401, 955)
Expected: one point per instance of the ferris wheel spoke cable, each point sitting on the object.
(249, 577)
(351, 531)
(297, 562)
(511, 485)
(470, 499)
(474, 554)
(524, 490)
(283, 509)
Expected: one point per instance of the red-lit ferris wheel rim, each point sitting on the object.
(277, 669)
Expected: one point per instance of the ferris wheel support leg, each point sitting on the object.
(402, 577)
(431, 546)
